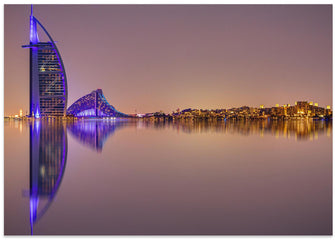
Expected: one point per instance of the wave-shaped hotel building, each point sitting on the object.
(94, 105)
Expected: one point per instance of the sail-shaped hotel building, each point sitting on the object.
(48, 83)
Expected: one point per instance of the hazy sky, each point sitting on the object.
(164, 57)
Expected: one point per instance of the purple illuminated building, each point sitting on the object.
(94, 105)
(48, 83)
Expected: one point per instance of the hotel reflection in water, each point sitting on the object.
(48, 152)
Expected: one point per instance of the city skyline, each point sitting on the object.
(152, 58)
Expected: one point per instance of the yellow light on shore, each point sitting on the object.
(316, 104)
(261, 106)
(328, 107)
(311, 103)
(277, 105)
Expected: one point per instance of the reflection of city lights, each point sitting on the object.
(42, 170)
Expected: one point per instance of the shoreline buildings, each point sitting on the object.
(301, 110)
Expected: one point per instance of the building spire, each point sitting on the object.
(33, 29)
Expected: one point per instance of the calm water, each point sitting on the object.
(108, 177)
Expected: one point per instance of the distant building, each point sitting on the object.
(302, 107)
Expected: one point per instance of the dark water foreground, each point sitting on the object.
(185, 177)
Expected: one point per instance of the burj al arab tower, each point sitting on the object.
(48, 83)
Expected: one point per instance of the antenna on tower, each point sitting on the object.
(31, 10)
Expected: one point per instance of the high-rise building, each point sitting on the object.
(48, 83)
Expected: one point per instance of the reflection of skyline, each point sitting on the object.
(48, 153)
(94, 133)
(299, 129)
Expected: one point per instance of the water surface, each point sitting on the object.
(145, 177)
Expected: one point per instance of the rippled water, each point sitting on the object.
(144, 177)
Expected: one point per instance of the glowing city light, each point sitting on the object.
(37, 114)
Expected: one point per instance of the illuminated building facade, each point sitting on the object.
(48, 83)
(93, 105)
(302, 107)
